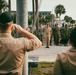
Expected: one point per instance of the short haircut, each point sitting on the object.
(5, 18)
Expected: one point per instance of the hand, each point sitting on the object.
(18, 28)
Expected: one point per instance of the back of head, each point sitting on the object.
(73, 37)
(5, 18)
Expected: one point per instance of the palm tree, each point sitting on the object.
(9, 6)
(67, 19)
(33, 7)
(22, 13)
(59, 10)
(22, 19)
(37, 15)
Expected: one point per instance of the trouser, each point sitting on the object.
(41, 37)
(66, 41)
(47, 37)
(56, 39)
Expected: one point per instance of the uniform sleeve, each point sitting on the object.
(30, 44)
(57, 69)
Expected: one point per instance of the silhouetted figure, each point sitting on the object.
(65, 63)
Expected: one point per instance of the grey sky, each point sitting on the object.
(49, 5)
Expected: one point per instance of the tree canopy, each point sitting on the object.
(59, 10)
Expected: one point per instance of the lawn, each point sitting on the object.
(43, 68)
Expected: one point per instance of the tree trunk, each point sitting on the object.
(60, 20)
(22, 13)
(9, 6)
(37, 15)
(33, 5)
(22, 19)
(33, 8)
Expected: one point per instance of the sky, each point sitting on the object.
(49, 5)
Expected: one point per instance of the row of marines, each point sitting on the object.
(55, 35)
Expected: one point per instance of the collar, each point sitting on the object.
(72, 49)
(5, 35)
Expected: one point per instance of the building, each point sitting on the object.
(42, 13)
(30, 13)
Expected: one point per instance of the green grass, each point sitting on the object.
(44, 68)
(45, 64)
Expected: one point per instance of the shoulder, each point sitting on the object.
(62, 56)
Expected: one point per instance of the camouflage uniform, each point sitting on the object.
(62, 34)
(56, 33)
(40, 33)
(66, 34)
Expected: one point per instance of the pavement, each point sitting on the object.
(46, 54)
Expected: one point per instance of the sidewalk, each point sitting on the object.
(46, 54)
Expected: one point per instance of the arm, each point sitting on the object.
(57, 69)
(27, 34)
